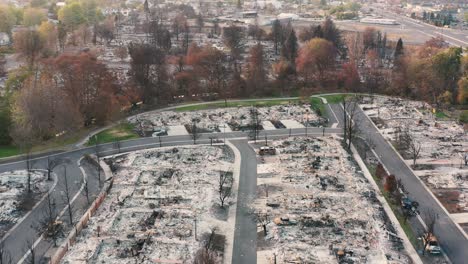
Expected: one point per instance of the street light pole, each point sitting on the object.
(224, 134)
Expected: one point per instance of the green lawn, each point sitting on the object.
(441, 115)
(120, 132)
(463, 117)
(59, 143)
(317, 105)
(8, 151)
(259, 103)
(335, 98)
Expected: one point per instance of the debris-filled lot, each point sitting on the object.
(439, 147)
(397, 118)
(164, 207)
(315, 206)
(14, 199)
(450, 185)
(227, 119)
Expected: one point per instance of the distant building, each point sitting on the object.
(287, 16)
(380, 21)
(4, 39)
(249, 14)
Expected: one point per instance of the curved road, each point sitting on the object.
(16, 240)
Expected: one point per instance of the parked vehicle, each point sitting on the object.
(431, 243)
(267, 151)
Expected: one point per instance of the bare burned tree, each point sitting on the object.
(5, 257)
(96, 151)
(52, 164)
(266, 189)
(86, 190)
(67, 195)
(262, 219)
(49, 226)
(211, 244)
(225, 186)
(254, 124)
(195, 131)
(430, 219)
(350, 106)
(29, 166)
(414, 147)
(205, 256)
(117, 145)
(213, 138)
(32, 252)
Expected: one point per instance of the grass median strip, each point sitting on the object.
(318, 106)
(405, 225)
(123, 131)
(259, 103)
(8, 151)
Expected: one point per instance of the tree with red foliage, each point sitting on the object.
(380, 171)
(391, 184)
(209, 64)
(316, 58)
(256, 75)
(351, 78)
(89, 85)
(149, 72)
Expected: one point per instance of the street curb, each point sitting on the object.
(233, 209)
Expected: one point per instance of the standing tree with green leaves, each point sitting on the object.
(446, 66)
(5, 120)
(290, 47)
(29, 44)
(7, 19)
(34, 16)
(75, 14)
(71, 16)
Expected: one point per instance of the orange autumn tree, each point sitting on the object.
(90, 85)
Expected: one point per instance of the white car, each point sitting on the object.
(159, 132)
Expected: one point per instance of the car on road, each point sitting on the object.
(431, 243)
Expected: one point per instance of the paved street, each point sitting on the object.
(16, 242)
(454, 37)
(452, 240)
(245, 235)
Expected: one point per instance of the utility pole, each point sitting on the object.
(345, 121)
(195, 222)
(224, 134)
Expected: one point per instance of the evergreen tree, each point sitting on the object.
(276, 32)
(290, 46)
(399, 48)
